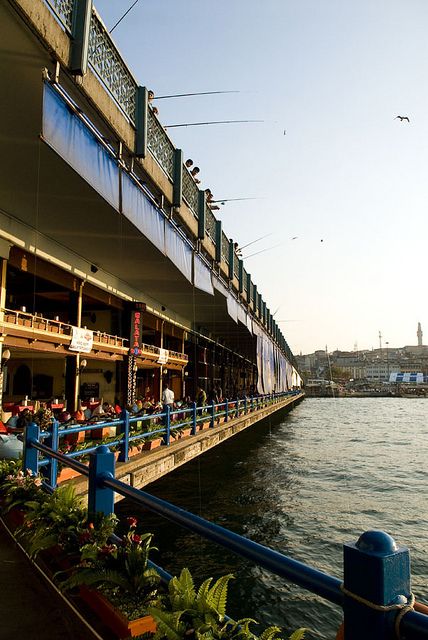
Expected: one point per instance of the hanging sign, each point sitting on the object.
(81, 340)
(136, 329)
(163, 356)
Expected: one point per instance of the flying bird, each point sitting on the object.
(295, 238)
(401, 118)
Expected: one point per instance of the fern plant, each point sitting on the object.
(60, 519)
(202, 613)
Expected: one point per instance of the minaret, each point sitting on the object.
(419, 334)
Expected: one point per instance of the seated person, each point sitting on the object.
(79, 415)
(99, 410)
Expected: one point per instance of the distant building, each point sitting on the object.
(419, 334)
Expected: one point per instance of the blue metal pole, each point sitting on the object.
(167, 436)
(101, 466)
(377, 570)
(30, 454)
(245, 404)
(193, 418)
(212, 423)
(226, 411)
(124, 428)
(53, 443)
(252, 403)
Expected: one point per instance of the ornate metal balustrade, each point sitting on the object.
(224, 247)
(190, 191)
(160, 146)
(63, 10)
(110, 68)
(210, 223)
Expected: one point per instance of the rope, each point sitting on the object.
(402, 608)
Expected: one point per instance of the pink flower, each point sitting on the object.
(132, 522)
(136, 538)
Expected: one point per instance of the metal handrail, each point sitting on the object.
(209, 414)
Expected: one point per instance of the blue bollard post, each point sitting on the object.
(53, 443)
(30, 454)
(245, 405)
(236, 408)
(101, 464)
(124, 428)
(252, 403)
(226, 411)
(212, 422)
(377, 570)
(167, 436)
(193, 418)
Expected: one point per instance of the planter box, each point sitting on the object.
(67, 474)
(203, 426)
(74, 438)
(134, 450)
(14, 518)
(104, 432)
(152, 444)
(113, 618)
(186, 432)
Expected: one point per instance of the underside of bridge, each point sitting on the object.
(44, 200)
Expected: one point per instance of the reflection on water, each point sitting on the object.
(303, 485)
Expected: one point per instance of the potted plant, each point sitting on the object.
(60, 522)
(18, 489)
(125, 585)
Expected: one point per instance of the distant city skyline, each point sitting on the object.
(344, 192)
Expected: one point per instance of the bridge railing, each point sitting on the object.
(130, 432)
(375, 594)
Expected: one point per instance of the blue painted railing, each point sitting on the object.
(167, 425)
(375, 594)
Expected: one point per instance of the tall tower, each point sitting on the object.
(419, 334)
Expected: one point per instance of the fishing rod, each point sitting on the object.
(262, 251)
(199, 124)
(253, 241)
(124, 15)
(198, 93)
(223, 200)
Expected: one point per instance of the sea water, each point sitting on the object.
(303, 484)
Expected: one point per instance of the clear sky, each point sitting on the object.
(348, 179)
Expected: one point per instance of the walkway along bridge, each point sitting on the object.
(375, 594)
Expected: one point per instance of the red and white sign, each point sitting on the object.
(81, 340)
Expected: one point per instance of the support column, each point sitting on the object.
(82, 12)
(201, 214)
(141, 120)
(72, 362)
(177, 189)
(3, 361)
